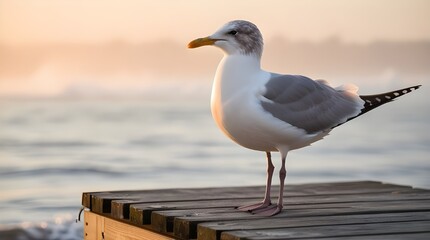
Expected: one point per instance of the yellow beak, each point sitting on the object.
(201, 42)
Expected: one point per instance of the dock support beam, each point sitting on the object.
(98, 227)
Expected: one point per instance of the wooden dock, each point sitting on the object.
(344, 210)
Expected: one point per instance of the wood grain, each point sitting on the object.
(342, 210)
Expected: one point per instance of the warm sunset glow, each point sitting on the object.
(51, 46)
(30, 21)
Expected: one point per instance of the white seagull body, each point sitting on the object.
(270, 112)
(237, 96)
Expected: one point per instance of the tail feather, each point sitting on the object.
(373, 101)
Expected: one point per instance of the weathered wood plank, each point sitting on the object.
(141, 212)
(183, 222)
(330, 231)
(213, 230)
(121, 208)
(100, 202)
(184, 225)
(397, 236)
(162, 221)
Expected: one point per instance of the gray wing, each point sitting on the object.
(308, 104)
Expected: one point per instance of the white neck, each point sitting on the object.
(247, 61)
(235, 72)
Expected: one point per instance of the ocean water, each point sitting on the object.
(52, 150)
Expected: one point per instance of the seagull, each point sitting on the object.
(273, 112)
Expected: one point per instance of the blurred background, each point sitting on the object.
(104, 95)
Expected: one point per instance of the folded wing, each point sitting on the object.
(309, 105)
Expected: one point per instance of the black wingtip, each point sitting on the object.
(373, 101)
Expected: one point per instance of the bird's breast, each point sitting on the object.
(235, 103)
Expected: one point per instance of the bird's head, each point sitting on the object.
(235, 37)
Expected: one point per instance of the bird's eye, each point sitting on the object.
(232, 32)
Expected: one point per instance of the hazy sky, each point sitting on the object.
(44, 71)
(36, 21)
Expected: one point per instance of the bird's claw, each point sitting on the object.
(261, 209)
(268, 211)
(254, 207)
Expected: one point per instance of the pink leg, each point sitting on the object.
(275, 209)
(266, 201)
